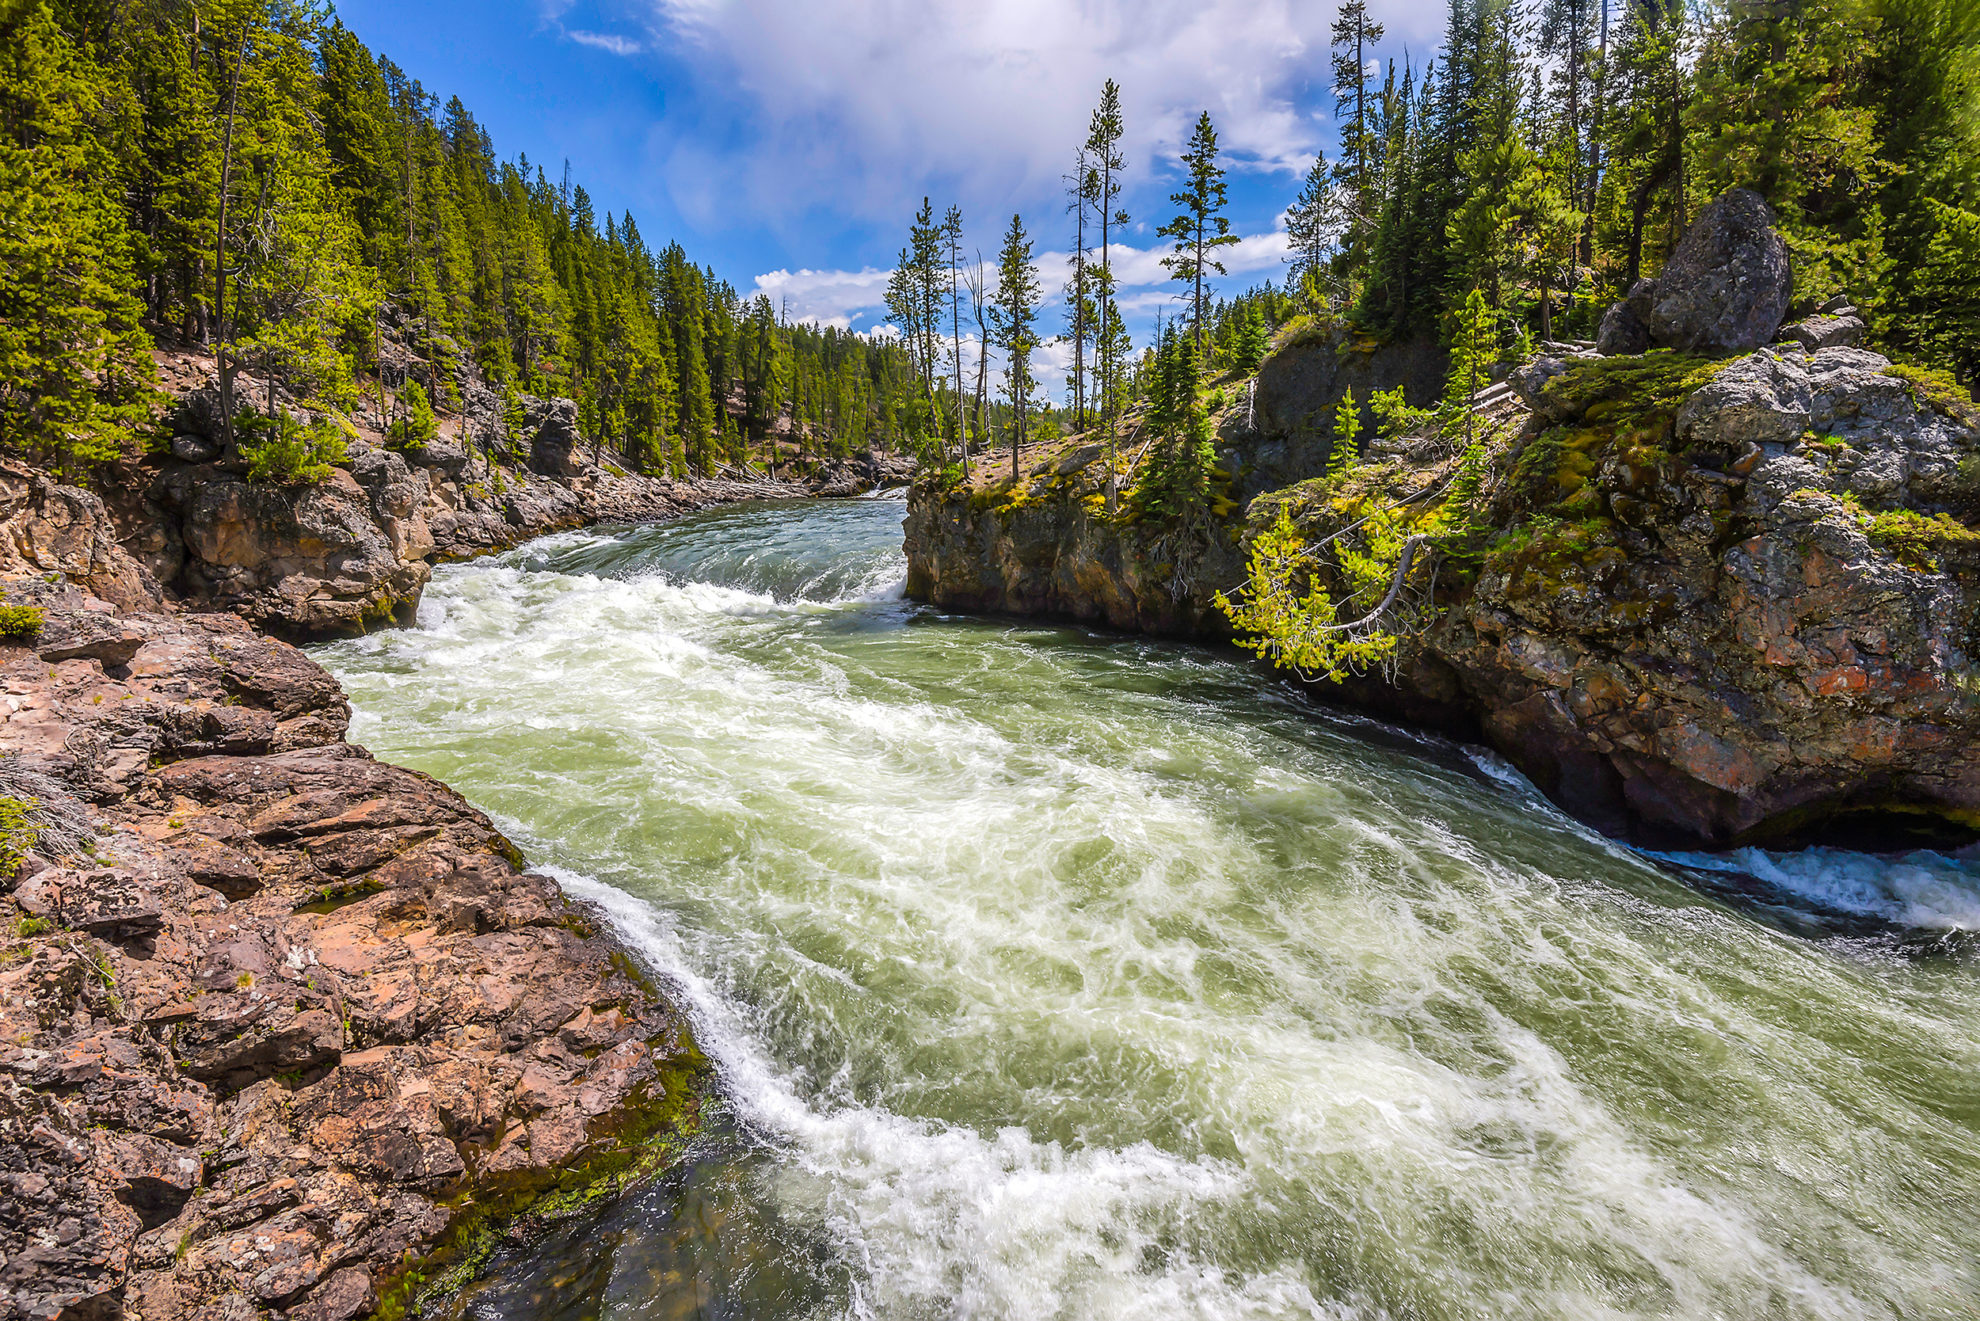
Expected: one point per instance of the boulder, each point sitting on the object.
(312, 561)
(48, 528)
(1724, 291)
(555, 448)
(1760, 400)
(1826, 331)
(190, 448)
(1622, 329)
(1529, 382)
(89, 636)
(444, 454)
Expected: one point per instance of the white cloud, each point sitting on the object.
(859, 108)
(830, 298)
(609, 42)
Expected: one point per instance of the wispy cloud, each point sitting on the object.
(610, 42)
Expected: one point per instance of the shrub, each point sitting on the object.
(20, 623)
(415, 426)
(18, 833)
(282, 451)
(1394, 415)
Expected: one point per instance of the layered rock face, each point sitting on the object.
(273, 1016)
(1730, 601)
(1065, 559)
(1282, 432)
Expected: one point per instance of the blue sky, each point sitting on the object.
(787, 142)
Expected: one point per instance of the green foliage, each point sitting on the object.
(1915, 540)
(1939, 391)
(284, 452)
(1393, 414)
(1629, 391)
(20, 622)
(142, 148)
(1555, 153)
(1346, 450)
(18, 835)
(1285, 615)
(1766, 113)
(75, 371)
(415, 427)
(1253, 339)
(1013, 323)
(1943, 321)
(1310, 233)
(1200, 227)
(1474, 348)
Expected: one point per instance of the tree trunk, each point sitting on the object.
(217, 329)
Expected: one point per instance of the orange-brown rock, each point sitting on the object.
(287, 1011)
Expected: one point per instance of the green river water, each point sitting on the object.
(1052, 974)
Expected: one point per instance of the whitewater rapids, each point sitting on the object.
(1052, 974)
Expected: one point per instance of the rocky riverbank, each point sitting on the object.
(282, 1028)
(354, 551)
(1724, 599)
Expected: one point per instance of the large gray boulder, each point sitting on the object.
(1725, 289)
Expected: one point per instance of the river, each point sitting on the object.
(1055, 974)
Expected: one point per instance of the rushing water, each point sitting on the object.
(1057, 975)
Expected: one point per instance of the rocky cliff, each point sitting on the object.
(282, 1028)
(1720, 600)
(354, 550)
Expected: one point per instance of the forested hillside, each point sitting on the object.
(1553, 152)
(246, 177)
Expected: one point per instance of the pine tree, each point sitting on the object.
(1012, 319)
(1642, 139)
(1924, 79)
(1253, 339)
(952, 234)
(1107, 162)
(1310, 229)
(1357, 174)
(1779, 108)
(1082, 187)
(1201, 227)
(1346, 449)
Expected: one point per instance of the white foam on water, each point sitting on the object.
(1922, 889)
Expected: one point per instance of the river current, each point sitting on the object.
(1054, 974)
